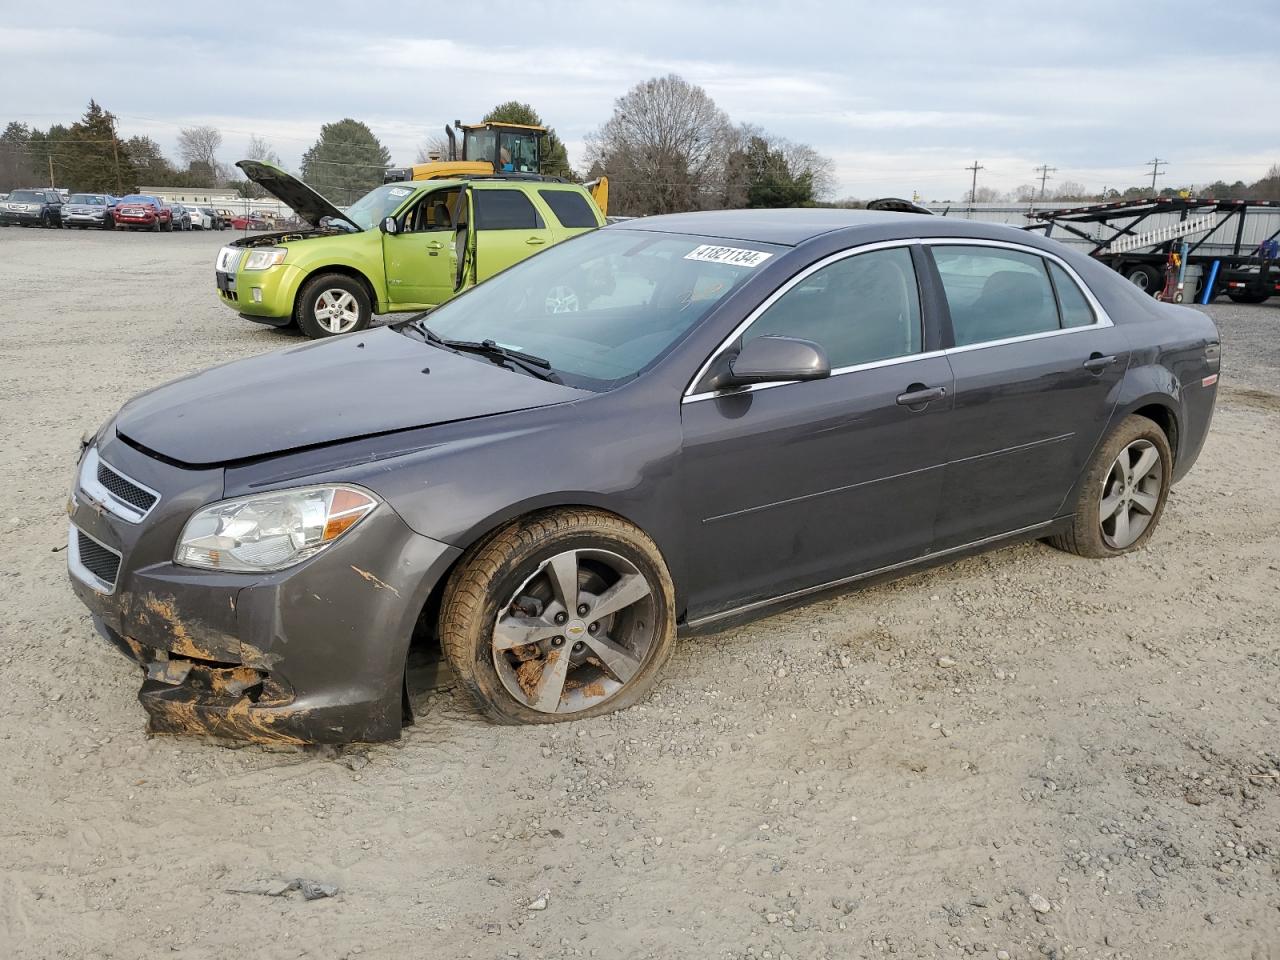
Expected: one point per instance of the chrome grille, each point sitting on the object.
(124, 488)
(97, 559)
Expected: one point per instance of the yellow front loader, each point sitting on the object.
(492, 149)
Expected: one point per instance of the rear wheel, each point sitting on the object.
(1144, 277)
(1123, 494)
(332, 303)
(1244, 297)
(563, 615)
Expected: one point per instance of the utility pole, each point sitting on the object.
(51, 183)
(1044, 170)
(973, 192)
(115, 152)
(1156, 171)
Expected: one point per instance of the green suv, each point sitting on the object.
(401, 247)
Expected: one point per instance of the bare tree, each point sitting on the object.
(663, 148)
(1070, 190)
(987, 195)
(199, 149)
(1025, 192)
(436, 144)
(260, 149)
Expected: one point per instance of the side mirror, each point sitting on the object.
(773, 359)
(390, 226)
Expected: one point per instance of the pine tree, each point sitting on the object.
(346, 162)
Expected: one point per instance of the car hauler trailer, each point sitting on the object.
(1135, 238)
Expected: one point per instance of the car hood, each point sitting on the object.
(337, 389)
(293, 193)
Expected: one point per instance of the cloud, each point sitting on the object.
(901, 96)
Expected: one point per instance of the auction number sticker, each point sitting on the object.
(737, 256)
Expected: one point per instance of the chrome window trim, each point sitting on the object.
(83, 573)
(1101, 318)
(95, 491)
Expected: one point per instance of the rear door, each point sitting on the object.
(797, 484)
(1036, 363)
(508, 227)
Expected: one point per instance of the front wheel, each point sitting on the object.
(331, 304)
(563, 615)
(1123, 494)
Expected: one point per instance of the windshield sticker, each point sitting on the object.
(737, 256)
(400, 191)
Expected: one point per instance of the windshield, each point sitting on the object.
(89, 199)
(25, 195)
(138, 198)
(602, 307)
(380, 202)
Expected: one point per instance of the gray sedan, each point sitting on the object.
(657, 429)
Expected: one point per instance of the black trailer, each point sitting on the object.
(1235, 233)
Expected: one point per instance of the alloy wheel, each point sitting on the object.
(336, 311)
(576, 632)
(561, 299)
(1131, 494)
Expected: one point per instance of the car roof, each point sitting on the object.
(791, 227)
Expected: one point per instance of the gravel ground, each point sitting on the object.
(1023, 754)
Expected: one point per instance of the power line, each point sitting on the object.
(1044, 170)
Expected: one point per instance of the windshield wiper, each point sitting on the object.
(539, 367)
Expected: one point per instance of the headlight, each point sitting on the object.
(270, 531)
(265, 257)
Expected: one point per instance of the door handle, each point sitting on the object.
(1097, 362)
(535, 241)
(918, 395)
(435, 245)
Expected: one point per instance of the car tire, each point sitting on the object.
(155, 227)
(1145, 277)
(1248, 297)
(348, 306)
(618, 657)
(1123, 493)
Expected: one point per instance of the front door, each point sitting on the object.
(800, 484)
(1036, 364)
(420, 258)
(509, 229)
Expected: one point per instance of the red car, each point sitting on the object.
(139, 210)
(252, 221)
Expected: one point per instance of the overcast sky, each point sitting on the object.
(902, 96)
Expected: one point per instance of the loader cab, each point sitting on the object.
(509, 147)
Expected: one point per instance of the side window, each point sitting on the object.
(1074, 308)
(505, 210)
(994, 294)
(859, 309)
(570, 207)
(436, 211)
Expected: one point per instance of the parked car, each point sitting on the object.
(671, 424)
(199, 220)
(402, 246)
(86, 210)
(39, 206)
(250, 221)
(180, 217)
(140, 210)
(214, 219)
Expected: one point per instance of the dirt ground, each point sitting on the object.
(1023, 754)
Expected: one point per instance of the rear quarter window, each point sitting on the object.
(570, 207)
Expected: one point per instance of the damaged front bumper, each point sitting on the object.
(311, 654)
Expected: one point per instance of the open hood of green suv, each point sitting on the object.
(291, 191)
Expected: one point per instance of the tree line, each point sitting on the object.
(666, 147)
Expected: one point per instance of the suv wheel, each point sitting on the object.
(1123, 494)
(330, 304)
(563, 615)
